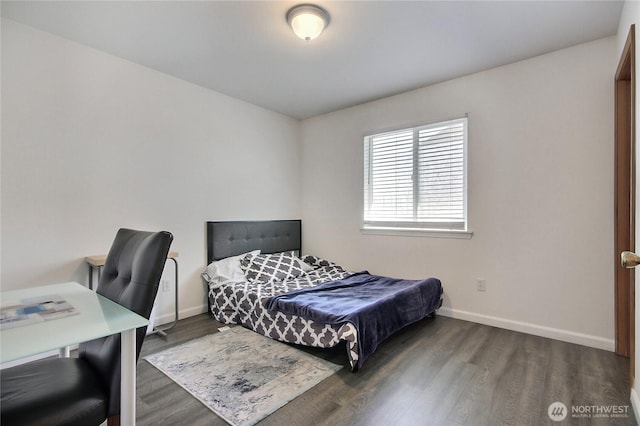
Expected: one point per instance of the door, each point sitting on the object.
(624, 195)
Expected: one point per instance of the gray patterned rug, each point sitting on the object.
(241, 376)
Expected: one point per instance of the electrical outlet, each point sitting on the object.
(165, 286)
(481, 284)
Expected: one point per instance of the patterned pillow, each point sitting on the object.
(316, 261)
(271, 267)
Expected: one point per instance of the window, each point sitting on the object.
(416, 178)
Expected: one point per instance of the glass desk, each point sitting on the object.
(97, 317)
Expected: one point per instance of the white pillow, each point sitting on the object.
(305, 266)
(227, 269)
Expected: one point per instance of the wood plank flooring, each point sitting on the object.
(436, 372)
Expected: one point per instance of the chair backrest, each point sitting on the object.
(130, 277)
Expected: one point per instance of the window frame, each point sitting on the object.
(415, 226)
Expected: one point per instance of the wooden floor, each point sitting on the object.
(436, 372)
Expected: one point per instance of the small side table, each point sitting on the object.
(97, 262)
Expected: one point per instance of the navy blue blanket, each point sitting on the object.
(377, 306)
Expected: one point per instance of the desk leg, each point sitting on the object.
(90, 276)
(128, 378)
(161, 330)
(91, 269)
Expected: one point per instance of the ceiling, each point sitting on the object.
(370, 50)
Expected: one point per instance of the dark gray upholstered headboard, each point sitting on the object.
(226, 239)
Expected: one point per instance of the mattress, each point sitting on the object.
(243, 303)
(315, 302)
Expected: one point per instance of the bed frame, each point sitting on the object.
(232, 238)
(226, 239)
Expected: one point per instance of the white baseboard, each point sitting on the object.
(523, 327)
(537, 330)
(635, 403)
(182, 314)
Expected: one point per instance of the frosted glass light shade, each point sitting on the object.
(307, 21)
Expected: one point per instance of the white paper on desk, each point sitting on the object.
(35, 309)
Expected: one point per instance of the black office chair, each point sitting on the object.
(85, 391)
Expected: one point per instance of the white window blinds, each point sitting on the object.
(416, 178)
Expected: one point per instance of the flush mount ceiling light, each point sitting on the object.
(307, 20)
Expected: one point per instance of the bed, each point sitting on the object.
(257, 277)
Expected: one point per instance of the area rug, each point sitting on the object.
(240, 375)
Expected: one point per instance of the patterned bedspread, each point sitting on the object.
(243, 303)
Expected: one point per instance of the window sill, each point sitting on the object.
(417, 232)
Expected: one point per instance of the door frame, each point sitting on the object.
(624, 200)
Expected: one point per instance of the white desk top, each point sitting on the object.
(97, 317)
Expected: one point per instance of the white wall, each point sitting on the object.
(91, 143)
(540, 194)
(631, 15)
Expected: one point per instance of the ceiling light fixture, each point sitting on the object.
(307, 20)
